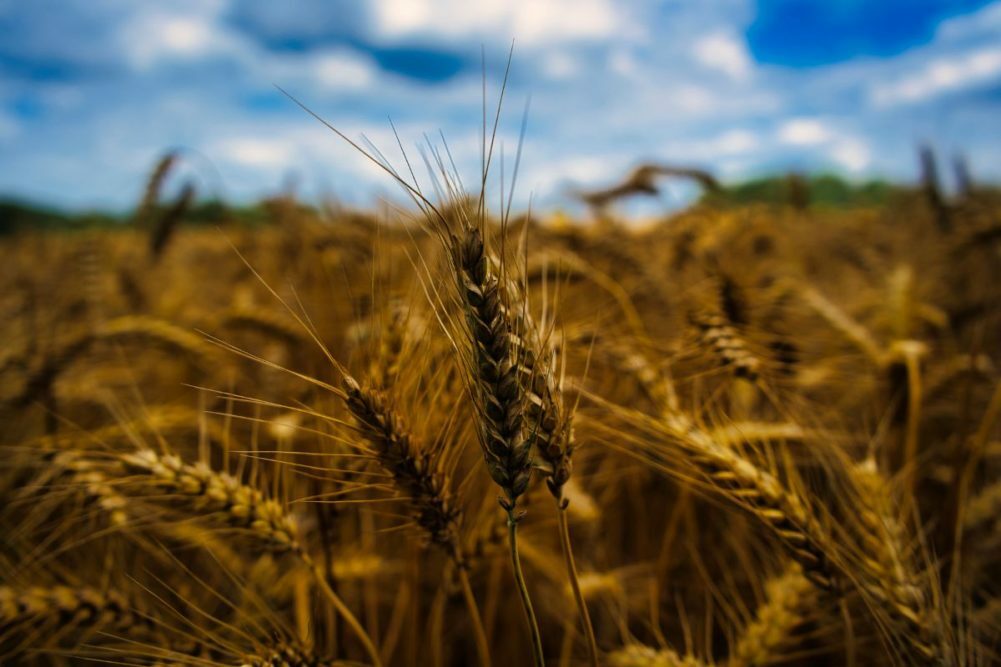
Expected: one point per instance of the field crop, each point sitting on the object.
(742, 434)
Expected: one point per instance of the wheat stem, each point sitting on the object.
(519, 577)
(342, 609)
(585, 617)
(479, 634)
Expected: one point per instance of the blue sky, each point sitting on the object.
(91, 92)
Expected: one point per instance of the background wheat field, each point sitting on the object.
(748, 433)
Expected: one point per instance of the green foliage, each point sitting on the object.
(823, 190)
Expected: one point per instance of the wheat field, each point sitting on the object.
(741, 434)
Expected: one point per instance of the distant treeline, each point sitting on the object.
(822, 190)
(21, 215)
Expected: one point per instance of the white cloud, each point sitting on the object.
(734, 142)
(940, 76)
(256, 152)
(692, 99)
(804, 132)
(724, 52)
(156, 36)
(344, 70)
(530, 22)
(846, 150)
(559, 65)
(712, 150)
(986, 20)
(851, 154)
(623, 62)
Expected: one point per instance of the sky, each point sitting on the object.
(93, 91)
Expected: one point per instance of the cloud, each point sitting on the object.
(530, 22)
(734, 142)
(150, 39)
(851, 154)
(92, 93)
(838, 146)
(804, 132)
(560, 65)
(256, 152)
(942, 75)
(344, 70)
(724, 52)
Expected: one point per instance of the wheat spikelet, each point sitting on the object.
(727, 344)
(645, 656)
(580, 504)
(984, 508)
(169, 220)
(548, 426)
(47, 616)
(495, 363)
(211, 495)
(415, 471)
(788, 598)
(765, 496)
(195, 490)
(154, 184)
(888, 573)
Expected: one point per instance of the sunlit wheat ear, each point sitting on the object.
(213, 496)
(726, 343)
(222, 501)
(888, 573)
(789, 599)
(637, 655)
(783, 510)
(728, 346)
(46, 617)
(984, 509)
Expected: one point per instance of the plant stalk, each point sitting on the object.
(585, 617)
(519, 577)
(479, 634)
(342, 609)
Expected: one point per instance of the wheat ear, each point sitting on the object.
(223, 500)
(551, 431)
(787, 598)
(419, 475)
(637, 655)
(498, 393)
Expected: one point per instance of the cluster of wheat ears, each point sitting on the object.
(740, 436)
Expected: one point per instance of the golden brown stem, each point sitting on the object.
(585, 617)
(342, 609)
(526, 601)
(479, 634)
